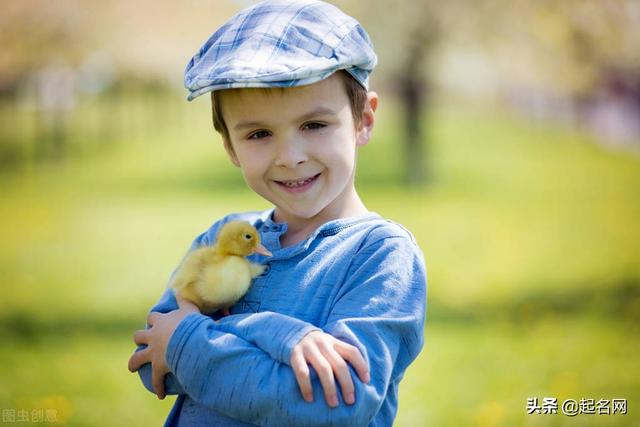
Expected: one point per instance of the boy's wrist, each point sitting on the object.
(293, 339)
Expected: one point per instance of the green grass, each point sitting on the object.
(82, 376)
(482, 374)
(530, 234)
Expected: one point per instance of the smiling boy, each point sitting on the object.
(339, 311)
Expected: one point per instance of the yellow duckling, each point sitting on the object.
(215, 277)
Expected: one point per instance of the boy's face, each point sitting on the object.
(297, 146)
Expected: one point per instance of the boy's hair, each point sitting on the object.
(356, 93)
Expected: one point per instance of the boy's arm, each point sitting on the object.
(381, 311)
(273, 333)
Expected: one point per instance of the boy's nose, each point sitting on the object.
(291, 153)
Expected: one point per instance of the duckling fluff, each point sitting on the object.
(216, 277)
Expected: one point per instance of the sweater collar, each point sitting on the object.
(271, 232)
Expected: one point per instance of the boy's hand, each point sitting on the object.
(327, 355)
(156, 338)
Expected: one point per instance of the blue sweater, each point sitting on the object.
(360, 279)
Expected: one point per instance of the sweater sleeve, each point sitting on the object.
(380, 310)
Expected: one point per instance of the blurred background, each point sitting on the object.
(508, 142)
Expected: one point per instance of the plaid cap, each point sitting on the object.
(281, 43)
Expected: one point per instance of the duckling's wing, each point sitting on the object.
(256, 269)
(224, 281)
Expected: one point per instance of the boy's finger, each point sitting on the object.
(140, 337)
(301, 371)
(157, 382)
(325, 374)
(152, 317)
(353, 356)
(341, 371)
(138, 359)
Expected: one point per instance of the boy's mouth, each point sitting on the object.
(299, 183)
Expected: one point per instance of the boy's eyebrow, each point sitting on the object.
(320, 111)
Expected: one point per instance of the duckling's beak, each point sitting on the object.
(262, 251)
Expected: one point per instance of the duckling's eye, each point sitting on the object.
(247, 236)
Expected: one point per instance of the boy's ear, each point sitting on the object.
(230, 152)
(368, 119)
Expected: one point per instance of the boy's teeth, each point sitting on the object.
(299, 183)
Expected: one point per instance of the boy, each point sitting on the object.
(339, 311)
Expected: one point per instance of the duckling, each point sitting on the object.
(216, 277)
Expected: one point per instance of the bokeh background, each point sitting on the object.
(508, 142)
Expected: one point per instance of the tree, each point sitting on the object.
(407, 36)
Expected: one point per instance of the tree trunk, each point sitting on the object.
(413, 91)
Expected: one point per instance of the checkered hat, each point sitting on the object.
(281, 43)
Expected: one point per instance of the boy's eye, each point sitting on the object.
(259, 134)
(313, 125)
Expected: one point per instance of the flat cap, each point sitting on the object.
(278, 43)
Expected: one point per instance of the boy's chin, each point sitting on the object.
(299, 213)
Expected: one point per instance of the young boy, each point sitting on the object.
(339, 311)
